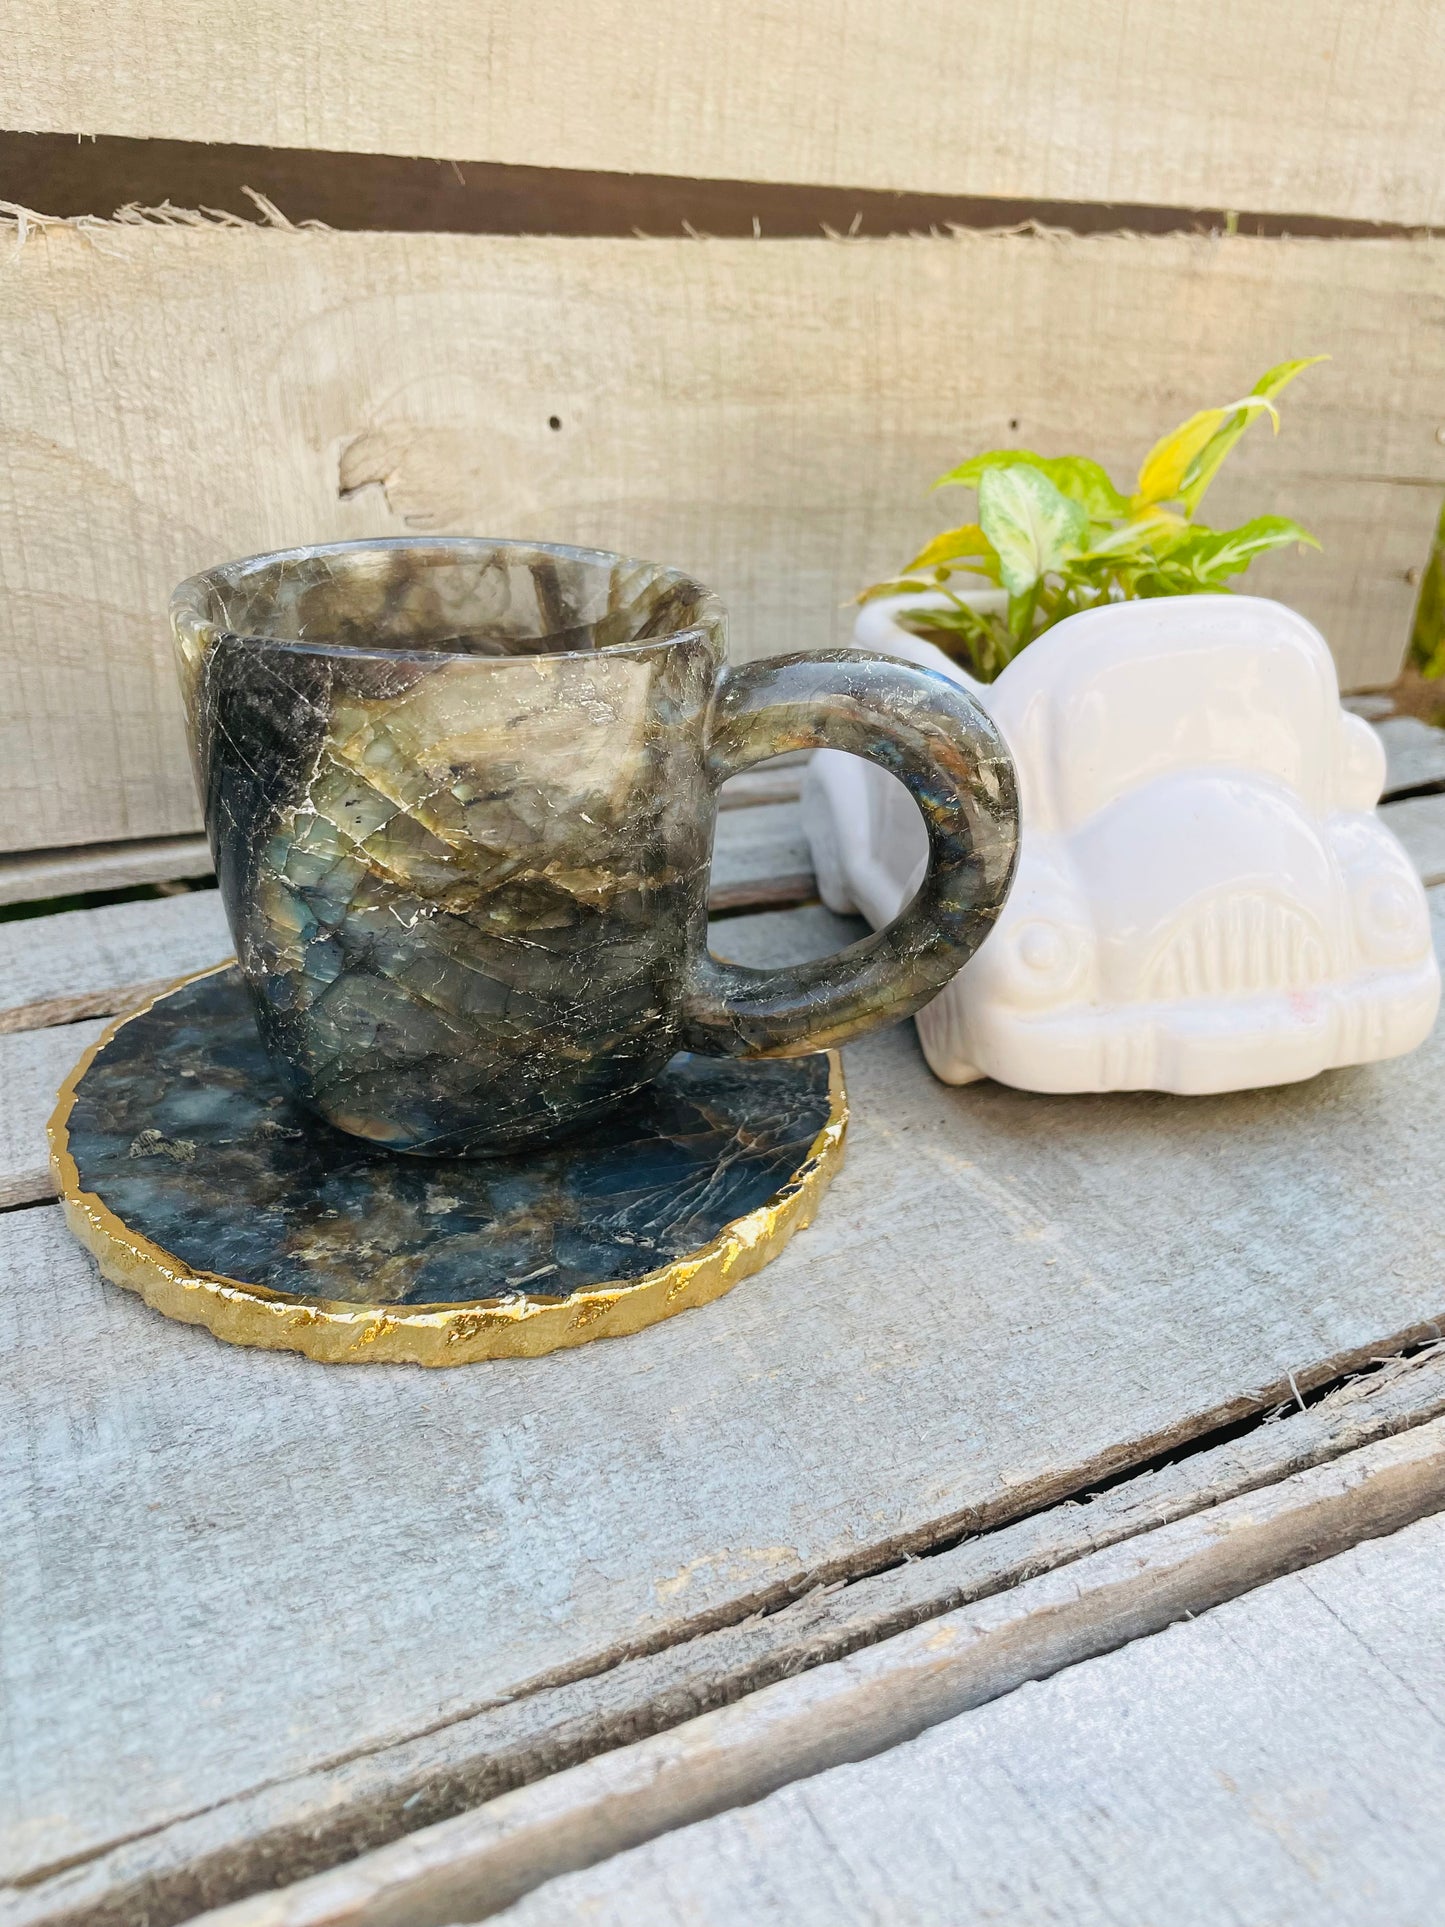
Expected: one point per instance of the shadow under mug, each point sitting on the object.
(461, 794)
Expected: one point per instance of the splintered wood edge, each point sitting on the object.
(49, 1013)
(338, 1333)
(701, 100)
(472, 1866)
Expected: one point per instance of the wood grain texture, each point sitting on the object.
(779, 781)
(1005, 1299)
(81, 963)
(1279, 1762)
(32, 1065)
(1414, 753)
(468, 1868)
(1306, 108)
(760, 855)
(94, 963)
(1419, 822)
(769, 414)
(35, 876)
(488, 1857)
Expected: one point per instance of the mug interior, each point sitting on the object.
(450, 596)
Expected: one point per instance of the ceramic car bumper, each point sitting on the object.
(1192, 1047)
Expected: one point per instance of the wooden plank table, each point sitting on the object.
(313, 1610)
(1279, 1762)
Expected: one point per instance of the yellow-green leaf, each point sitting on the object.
(1282, 374)
(1205, 466)
(1032, 525)
(967, 548)
(902, 586)
(1154, 529)
(1161, 479)
(1213, 554)
(1074, 475)
(1184, 463)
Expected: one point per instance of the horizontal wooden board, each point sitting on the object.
(91, 963)
(764, 859)
(489, 1855)
(56, 969)
(94, 963)
(760, 853)
(32, 1065)
(1004, 1299)
(1309, 106)
(1419, 822)
(1414, 754)
(778, 781)
(468, 1868)
(769, 414)
(40, 875)
(62, 968)
(36, 875)
(1279, 1762)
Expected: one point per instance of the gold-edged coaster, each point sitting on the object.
(194, 1181)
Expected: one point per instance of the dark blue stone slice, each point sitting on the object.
(180, 1127)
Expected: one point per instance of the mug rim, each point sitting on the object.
(192, 609)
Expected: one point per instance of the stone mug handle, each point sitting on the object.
(940, 744)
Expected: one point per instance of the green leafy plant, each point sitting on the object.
(1058, 536)
(1427, 645)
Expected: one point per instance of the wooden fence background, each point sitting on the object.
(766, 405)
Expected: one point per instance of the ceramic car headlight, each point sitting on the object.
(1048, 957)
(1387, 917)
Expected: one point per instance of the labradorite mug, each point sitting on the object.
(461, 794)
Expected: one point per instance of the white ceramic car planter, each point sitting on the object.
(1205, 899)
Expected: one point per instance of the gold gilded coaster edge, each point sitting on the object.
(339, 1333)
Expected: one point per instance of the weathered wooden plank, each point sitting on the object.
(760, 854)
(862, 1705)
(30, 878)
(1279, 1761)
(1004, 1299)
(779, 781)
(32, 1065)
(769, 414)
(1419, 822)
(83, 963)
(1414, 753)
(850, 93)
(464, 1867)
(94, 963)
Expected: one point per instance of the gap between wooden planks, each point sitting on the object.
(1042, 1596)
(1277, 1762)
(853, 94)
(110, 175)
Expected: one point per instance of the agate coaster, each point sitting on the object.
(194, 1181)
